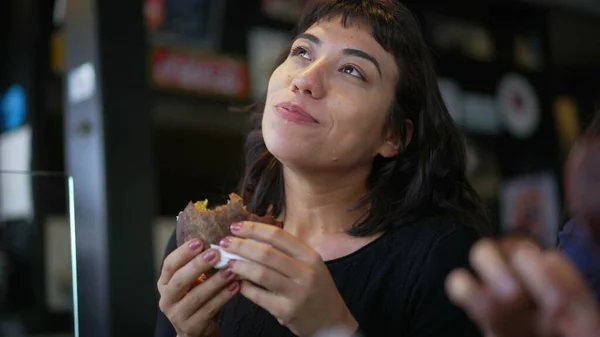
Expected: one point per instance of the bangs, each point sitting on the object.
(379, 15)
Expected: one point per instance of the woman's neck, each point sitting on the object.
(320, 206)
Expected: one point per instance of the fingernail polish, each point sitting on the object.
(233, 287)
(209, 255)
(227, 273)
(226, 242)
(236, 226)
(195, 244)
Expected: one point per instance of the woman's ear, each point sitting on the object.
(392, 144)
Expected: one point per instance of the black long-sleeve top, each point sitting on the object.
(394, 286)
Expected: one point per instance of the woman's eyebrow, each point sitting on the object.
(363, 55)
(309, 37)
(346, 51)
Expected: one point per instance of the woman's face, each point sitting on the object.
(327, 104)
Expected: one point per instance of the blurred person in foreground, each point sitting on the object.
(520, 290)
(359, 157)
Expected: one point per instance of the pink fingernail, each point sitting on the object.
(236, 226)
(233, 287)
(226, 242)
(227, 273)
(209, 255)
(195, 244)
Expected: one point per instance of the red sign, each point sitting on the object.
(199, 73)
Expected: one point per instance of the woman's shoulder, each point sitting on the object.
(422, 254)
(435, 234)
(425, 253)
(425, 250)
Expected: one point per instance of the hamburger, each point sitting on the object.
(212, 225)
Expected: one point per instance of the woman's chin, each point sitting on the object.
(289, 151)
(285, 153)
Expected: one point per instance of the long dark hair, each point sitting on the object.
(428, 178)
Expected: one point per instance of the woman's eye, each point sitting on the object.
(299, 51)
(351, 70)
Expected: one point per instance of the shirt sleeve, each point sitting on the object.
(431, 313)
(576, 243)
(164, 328)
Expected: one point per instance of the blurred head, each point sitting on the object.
(582, 178)
(355, 90)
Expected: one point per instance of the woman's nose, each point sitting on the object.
(309, 82)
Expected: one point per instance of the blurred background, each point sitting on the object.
(113, 115)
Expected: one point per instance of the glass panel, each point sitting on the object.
(38, 294)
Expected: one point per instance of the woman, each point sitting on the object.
(358, 155)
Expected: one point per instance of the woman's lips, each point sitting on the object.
(295, 113)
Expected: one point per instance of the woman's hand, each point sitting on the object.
(524, 292)
(188, 301)
(297, 287)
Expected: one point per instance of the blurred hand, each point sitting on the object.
(297, 287)
(522, 291)
(188, 301)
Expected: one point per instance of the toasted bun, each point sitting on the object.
(212, 225)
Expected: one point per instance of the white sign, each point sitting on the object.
(474, 111)
(518, 104)
(480, 113)
(16, 195)
(82, 83)
(515, 106)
